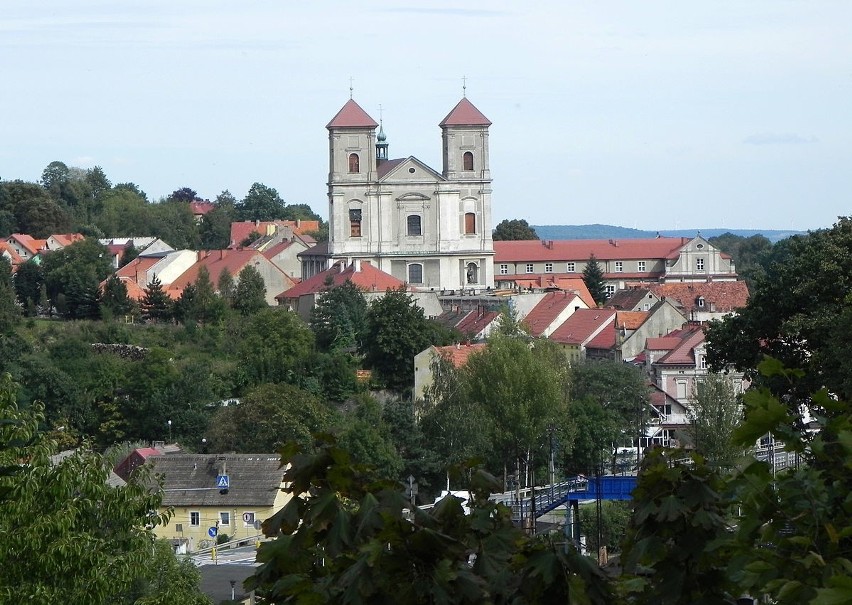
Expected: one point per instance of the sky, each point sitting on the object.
(652, 114)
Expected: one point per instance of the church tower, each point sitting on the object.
(429, 229)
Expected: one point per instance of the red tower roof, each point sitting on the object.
(465, 114)
(352, 116)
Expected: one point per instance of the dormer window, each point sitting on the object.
(467, 161)
(354, 163)
(700, 302)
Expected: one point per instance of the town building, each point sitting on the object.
(428, 228)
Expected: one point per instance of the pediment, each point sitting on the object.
(412, 197)
(409, 170)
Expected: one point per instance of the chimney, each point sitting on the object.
(357, 265)
(222, 254)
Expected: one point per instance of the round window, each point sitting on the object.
(411, 170)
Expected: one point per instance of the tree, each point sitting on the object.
(54, 176)
(338, 318)
(114, 296)
(199, 302)
(250, 293)
(365, 436)
(261, 203)
(713, 416)
(29, 279)
(215, 229)
(272, 346)
(267, 417)
(513, 230)
(156, 304)
(796, 314)
(75, 271)
(342, 538)
(169, 580)
(225, 286)
(396, 330)
(184, 194)
(32, 210)
(747, 252)
(594, 279)
(61, 514)
(10, 314)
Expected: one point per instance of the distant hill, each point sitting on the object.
(560, 232)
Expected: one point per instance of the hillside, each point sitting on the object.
(561, 232)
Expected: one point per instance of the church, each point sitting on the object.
(429, 229)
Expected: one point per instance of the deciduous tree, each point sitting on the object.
(250, 293)
(515, 229)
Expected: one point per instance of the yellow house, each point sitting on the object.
(218, 494)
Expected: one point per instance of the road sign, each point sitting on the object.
(212, 532)
(248, 517)
(223, 482)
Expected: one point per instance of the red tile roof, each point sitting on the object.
(276, 249)
(368, 278)
(7, 250)
(27, 242)
(547, 310)
(475, 322)
(581, 325)
(351, 116)
(66, 239)
(201, 207)
(387, 165)
(630, 320)
(581, 250)
(458, 355)
(566, 282)
(683, 353)
(465, 114)
(216, 261)
(241, 230)
(722, 296)
(662, 343)
(605, 339)
(136, 269)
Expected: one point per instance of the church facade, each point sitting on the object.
(429, 229)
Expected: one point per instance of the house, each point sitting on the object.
(118, 246)
(217, 261)
(633, 298)
(60, 241)
(8, 251)
(635, 327)
(660, 259)
(552, 311)
(424, 364)
(302, 297)
(582, 328)
(475, 324)
(242, 231)
(285, 255)
(167, 267)
(28, 247)
(703, 301)
(430, 229)
(668, 421)
(200, 208)
(205, 505)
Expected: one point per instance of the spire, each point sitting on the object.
(465, 114)
(351, 116)
(381, 141)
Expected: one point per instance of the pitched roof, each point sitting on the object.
(135, 270)
(544, 281)
(683, 352)
(547, 310)
(241, 230)
(475, 322)
(582, 325)
(201, 207)
(361, 273)
(32, 245)
(386, 166)
(66, 239)
(459, 354)
(630, 320)
(8, 251)
(605, 339)
(628, 298)
(190, 479)
(583, 249)
(217, 261)
(722, 296)
(351, 115)
(465, 114)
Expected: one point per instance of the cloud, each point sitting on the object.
(783, 138)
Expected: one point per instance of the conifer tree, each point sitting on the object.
(594, 280)
(114, 296)
(156, 305)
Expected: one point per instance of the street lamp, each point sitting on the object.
(169, 422)
(233, 584)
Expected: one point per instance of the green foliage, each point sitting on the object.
(61, 515)
(29, 279)
(513, 230)
(250, 294)
(28, 208)
(593, 277)
(338, 318)
(114, 297)
(156, 304)
(367, 438)
(169, 580)
(261, 203)
(713, 416)
(615, 517)
(396, 330)
(274, 343)
(799, 313)
(748, 253)
(342, 538)
(266, 418)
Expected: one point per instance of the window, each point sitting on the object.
(619, 266)
(179, 528)
(248, 519)
(571, 267)
(414, 225)
(194, 518)
(700, 302)
(504, 269)
(472, 273)
(469, 223)
(548, 267)
(354, 163)
(699, 264)
(529, 267)
(355, 222)
(224, 518)
(702, 362)
(415, 273)
(467, 161)
(610, 290)
(640, 266)
(664, 409)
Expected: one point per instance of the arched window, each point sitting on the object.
(414, 226)
(415, 273)
(354, 163)
(354, 222)
(467, 161)
(472, 273)
(469, 223)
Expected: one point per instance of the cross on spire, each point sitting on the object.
(464, 86)
(351, 89)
